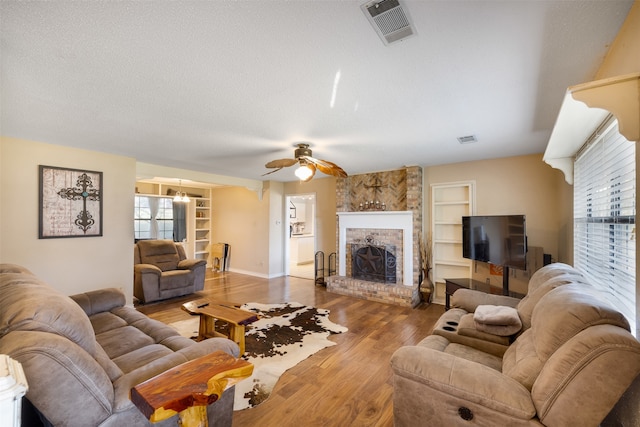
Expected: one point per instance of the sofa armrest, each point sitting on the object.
(463, 380)
(191, 264)
(469, 299)
(101, 300)
(146, 269)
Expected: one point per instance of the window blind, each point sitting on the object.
(604, 216)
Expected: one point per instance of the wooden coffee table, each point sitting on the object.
(211, 311)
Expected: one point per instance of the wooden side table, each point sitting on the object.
(210, 311)
(187, 389)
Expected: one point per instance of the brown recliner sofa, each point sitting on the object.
(161, 270)
(81, 355)
(568, 368)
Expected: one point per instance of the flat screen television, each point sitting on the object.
(496, 239)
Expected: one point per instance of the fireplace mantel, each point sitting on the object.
(402, 220)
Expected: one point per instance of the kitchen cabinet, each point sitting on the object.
(301, 249)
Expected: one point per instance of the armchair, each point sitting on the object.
(161, 270)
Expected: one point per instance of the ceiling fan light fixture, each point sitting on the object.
(304, 172)
(308, 165)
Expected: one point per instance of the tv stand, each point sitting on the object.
(452, 285)
(505, 280)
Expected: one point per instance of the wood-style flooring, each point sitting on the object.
(349, 384)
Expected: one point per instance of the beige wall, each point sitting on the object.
(241, 219)
(623, 57)
(255, 228)
(71, 265)
(515, 185)
(275, 191)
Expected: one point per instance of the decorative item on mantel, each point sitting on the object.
(426, 285)
(372, 206)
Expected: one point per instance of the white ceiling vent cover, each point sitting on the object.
(389, 19)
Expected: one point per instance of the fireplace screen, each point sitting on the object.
(373, 263)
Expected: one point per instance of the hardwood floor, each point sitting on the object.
(349, 384)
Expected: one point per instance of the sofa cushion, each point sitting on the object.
(142, 356)
(107, 321)
(529, 302)
(126, 339)
(554, 322)
(521, 361)
(439, 343)
(65, 382)
(549, 271)
(161, 253)
(176, 279)
(586, 361)
(27, 304)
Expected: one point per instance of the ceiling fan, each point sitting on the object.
(308, 164)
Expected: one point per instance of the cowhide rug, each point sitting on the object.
(285, 335)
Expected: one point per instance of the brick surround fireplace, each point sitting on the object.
(397, 227)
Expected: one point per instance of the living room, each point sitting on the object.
(250, 213)
(513, 184)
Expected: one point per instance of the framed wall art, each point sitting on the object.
(70, 203)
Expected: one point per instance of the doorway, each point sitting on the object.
(300, 229)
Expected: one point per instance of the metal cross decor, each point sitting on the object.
(82, 191)
(374, 204)
(70, 203)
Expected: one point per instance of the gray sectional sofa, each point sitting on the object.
(82, 354)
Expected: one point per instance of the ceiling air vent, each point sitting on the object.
(389, 19)
(468, 139)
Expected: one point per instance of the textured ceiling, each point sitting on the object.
(226, 86)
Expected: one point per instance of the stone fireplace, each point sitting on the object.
(378, 255)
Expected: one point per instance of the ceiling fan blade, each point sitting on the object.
(270, 172)
(281, 163)
(327, 167)
(313, 171)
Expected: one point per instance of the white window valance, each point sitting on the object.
(584, 107)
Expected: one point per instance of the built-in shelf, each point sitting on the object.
(200, 214)
(449, 203)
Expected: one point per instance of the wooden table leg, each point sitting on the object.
(207, 327)
(196, 416)
(236, 334)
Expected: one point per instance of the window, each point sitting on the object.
(604, 216)
(153, 217)
(142, 218)
(164, 218)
